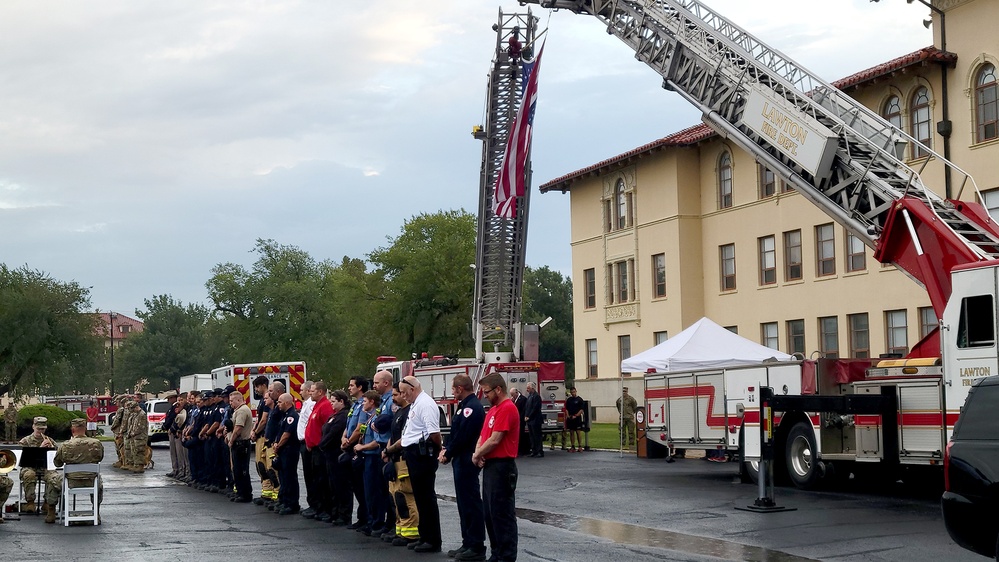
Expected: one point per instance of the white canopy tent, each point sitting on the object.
(704, 345)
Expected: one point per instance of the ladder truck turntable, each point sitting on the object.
(846, 160)
(502, 343)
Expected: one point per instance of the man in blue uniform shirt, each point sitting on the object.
(286, 450)
(466, 425)
(356, 387)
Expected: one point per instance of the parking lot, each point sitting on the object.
(579, 507)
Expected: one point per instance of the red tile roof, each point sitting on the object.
(686, 137)
(698, 133)
(134, 326)
(926, 54)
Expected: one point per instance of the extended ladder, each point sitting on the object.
(857, 178)
(501, 243)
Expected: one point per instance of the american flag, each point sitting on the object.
(510, 180)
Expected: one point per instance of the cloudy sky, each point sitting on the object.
(142, 143)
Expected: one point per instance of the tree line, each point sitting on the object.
(412, 295)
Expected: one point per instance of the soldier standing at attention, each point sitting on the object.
(135, 439)
(29, 476)
(10, 423)
(80, 449)
(627, 406)
(118, 425)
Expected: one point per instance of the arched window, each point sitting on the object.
(920, 112)
(892, 111)
(725, 181)
(987, 113)
(620, 205)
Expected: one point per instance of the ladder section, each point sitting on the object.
(851, 170)
(501, 243)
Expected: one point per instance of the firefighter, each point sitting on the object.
(466, 425)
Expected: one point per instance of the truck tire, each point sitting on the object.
(803, 468)
(749, 471)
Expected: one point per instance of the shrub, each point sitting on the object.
(58, 420)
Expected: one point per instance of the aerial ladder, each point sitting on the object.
(501, 243)
(848, 161)
(837, 153)
(500, 344)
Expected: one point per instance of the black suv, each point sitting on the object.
(971, 472)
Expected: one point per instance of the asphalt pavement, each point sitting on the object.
(582, 507)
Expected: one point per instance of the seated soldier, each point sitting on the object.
(80, 449)
(29, 475)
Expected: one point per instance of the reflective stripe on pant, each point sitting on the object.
(407, 519)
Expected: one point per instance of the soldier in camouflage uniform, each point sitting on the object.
(116, 429)
(136, 437)
(29, 476)
(80, 449)
(10, 423)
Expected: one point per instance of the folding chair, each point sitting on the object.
(68, 508)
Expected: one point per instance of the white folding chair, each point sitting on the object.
(67, 507)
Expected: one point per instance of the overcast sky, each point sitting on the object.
(142, 143)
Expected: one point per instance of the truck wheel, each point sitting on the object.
(799, 452)
(749, 471)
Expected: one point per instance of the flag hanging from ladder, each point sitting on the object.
(511, 177)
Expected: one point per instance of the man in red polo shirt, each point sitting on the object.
(321, 412)
(496, 453)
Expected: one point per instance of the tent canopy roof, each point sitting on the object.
(704, 345)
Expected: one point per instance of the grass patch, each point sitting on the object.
(602, 436)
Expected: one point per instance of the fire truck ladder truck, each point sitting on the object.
(835, 152)
(853, 170)
(501, 243)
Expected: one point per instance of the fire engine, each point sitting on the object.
(847, 160)
(500, 249)
(292, 374)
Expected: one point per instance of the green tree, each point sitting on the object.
(549, 293)
(427, 301)
(280, 310)
(47, 340)
(173, 343)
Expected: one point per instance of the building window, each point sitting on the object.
(860, 335)
(620, 287)
(792, 255)
(990, 200)
(727, 256)
(927, 320)
(796, 336)
(986, 102)
(829, 337)
(590, 287)
(733, 329)
(768, 260)
(896, 328)
(768, 335)
(591, 358)
(124, 328)
(619, 210)
(659, 337)
(725, 181)
(659, 275)
(920, 115)
(623, 347)
(768, 182)
(621, 268)
(892, 111)
(856, 253)
(825, 250)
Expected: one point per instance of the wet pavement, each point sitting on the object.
(594, 506)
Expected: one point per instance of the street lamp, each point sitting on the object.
(111, 317)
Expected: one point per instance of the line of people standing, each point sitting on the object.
(380, 448)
